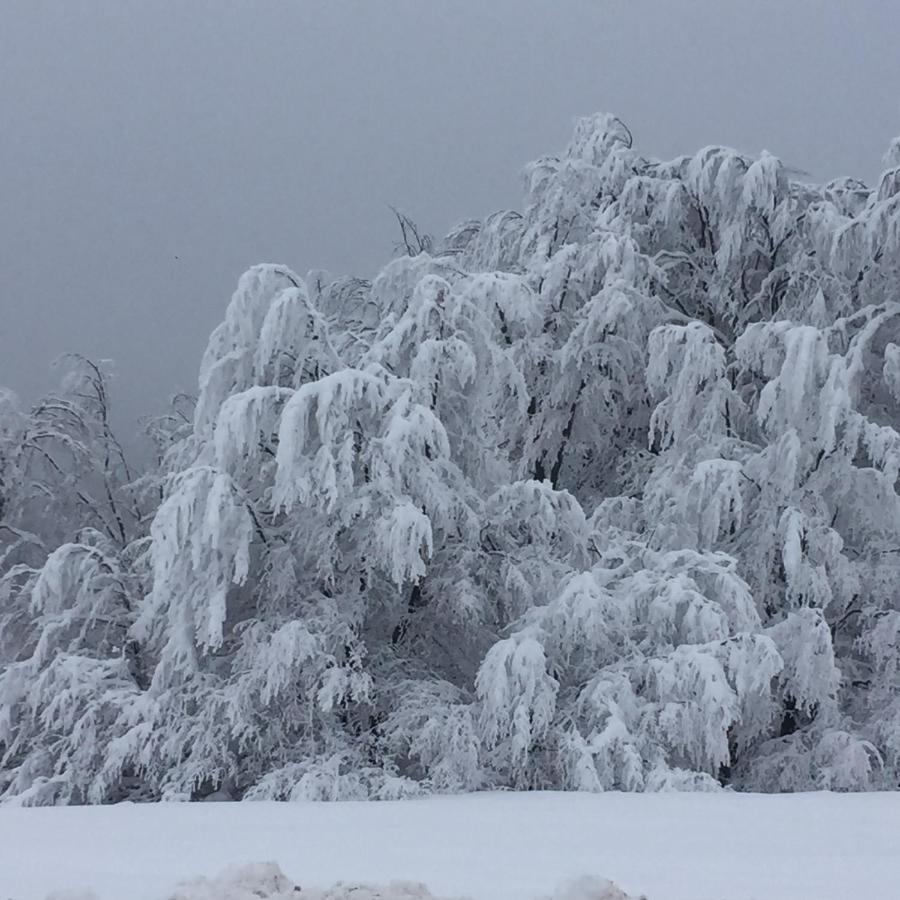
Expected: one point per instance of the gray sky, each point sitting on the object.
(226, 133)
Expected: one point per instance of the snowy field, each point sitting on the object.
(486, 846)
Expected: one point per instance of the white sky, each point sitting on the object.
(226, 133)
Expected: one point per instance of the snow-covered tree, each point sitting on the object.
(599, 495)
(70, 581)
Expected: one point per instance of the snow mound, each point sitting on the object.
(588, 888)
(396, 890)
(266, 881)
(251, 882)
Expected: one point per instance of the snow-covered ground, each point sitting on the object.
(486, 846)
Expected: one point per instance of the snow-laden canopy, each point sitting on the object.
(599, 495)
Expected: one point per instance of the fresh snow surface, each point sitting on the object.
(499, 846)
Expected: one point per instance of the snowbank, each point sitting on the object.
(266, 881)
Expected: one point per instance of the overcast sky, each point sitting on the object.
(150, 151)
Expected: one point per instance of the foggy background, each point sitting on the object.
(150, 151)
